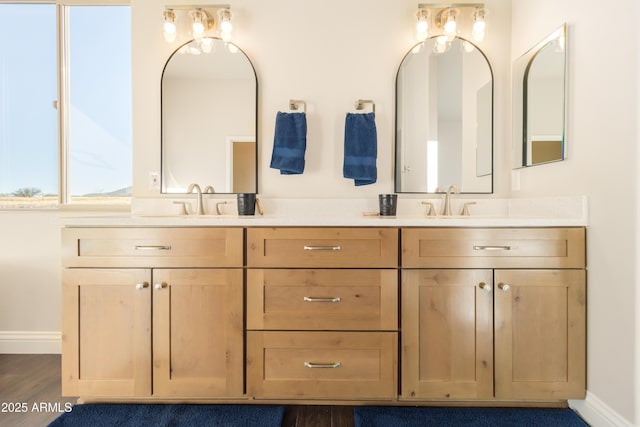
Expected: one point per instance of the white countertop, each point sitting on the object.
(553, 212)
(319, 221)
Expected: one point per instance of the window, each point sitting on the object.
(95, 105)
(28, 118)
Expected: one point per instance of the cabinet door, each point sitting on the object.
(540, 334)
(198, 332)
(106, 332)
(447, 334)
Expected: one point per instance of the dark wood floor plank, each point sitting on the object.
(30, 382)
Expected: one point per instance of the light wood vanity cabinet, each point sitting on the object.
(486, 314)
(322, 313)
(147, 330)
(457, 321)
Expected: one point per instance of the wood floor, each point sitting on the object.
(30, 383)
(30, 390)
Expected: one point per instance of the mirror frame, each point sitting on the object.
(520, 72)
(395, 129)
(253, 68)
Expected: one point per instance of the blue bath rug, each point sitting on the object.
(106, 415)
(374, 416)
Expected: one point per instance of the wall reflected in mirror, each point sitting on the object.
(539, 102)
(444, 118)
(209, 116)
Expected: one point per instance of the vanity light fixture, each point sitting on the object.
(450, 19)
(202, 19)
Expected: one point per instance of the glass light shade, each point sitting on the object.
(226, 26)
(479, 26)
(422, 26)
(198, 23)
(450, 26)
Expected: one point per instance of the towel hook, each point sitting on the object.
(294, 104)
(361, 102)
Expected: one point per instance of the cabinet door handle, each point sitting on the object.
(314, 299)
(322, 365)
(160, 286)
(153, 247)
(504, 287)
(143, 285)
(485, 287)
(322, 248)
(491, 248)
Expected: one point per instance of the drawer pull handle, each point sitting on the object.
(491, 248)
(141, 286)
(314, 299)
(153, 247)
(322, 248)
(322, 365)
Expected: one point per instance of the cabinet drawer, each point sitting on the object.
(322, 247)
(322, 299)
(322, 365)
(493, 248)
(152, 247)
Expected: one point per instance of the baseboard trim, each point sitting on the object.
(597, 413)
(30, 342)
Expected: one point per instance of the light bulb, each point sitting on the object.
(450, 26)
(225, 25)
(422, 26)
(169, 26)
(198, 23)
(479, 25)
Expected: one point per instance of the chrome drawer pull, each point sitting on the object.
(322, 248)
(153, 247)
(491, 248)
(313, 299)
(322, 365)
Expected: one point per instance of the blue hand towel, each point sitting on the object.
(289, 143)
(360, 148)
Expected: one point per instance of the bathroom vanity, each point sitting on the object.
(393, 311)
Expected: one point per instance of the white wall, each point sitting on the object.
(603, 164)
(30, 306)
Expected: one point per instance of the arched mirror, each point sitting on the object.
(539, 107)
(209, 119)
(444, 119)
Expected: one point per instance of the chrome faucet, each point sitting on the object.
(209, 190)
(446, 210)
(199, 207)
